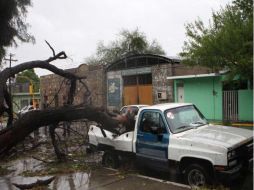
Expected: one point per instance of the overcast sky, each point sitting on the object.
(77, 26)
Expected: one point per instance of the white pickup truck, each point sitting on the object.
(178, 135)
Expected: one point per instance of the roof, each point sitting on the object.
(197, 75)
(166, 106)
(140, 60)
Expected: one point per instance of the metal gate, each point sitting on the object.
(230, 105)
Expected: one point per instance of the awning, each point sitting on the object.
(197, 75)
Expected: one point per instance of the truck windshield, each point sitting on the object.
(184, 118)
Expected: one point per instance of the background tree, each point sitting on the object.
(128, 42)
(227, 43)
(29, 76)
(12, 24)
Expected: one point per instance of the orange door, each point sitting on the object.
(130, 95)
(145, 95)
(138, 94)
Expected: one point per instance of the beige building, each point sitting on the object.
(55, 89)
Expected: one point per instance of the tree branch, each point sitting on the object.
(54, 54)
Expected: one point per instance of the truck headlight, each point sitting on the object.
(231, 154)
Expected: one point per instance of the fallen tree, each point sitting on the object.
(33, 120)
(16, 131)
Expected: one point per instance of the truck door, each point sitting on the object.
(152, 140)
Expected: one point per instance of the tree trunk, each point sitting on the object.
(33, 120)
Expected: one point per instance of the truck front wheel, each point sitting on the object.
(110, 160)
(197, 176)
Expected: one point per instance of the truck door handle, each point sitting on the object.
(140, 135)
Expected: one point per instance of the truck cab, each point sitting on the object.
(178, 135)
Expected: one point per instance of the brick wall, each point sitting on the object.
(181, 69)
(54, 88)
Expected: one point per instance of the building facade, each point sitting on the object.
(134, 79)
(215, 98)
(139, 79)
(55, 89)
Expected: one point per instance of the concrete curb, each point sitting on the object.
(155, 179)
(162, 181)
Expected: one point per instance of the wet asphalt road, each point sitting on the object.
(244, 182)
(107, 179)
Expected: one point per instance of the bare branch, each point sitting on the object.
(60, 55)
(54, 54)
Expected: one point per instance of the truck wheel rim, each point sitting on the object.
(196, 178)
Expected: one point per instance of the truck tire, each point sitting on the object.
(110, 160)
(197, 175)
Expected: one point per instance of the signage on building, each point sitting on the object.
(114, 92)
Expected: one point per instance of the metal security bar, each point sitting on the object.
(230, 105)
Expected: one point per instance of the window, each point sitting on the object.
(137, 79)
(130, 80)
(152, 122)
(184, 118)
(145, 79)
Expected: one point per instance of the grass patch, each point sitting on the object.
(4, 171)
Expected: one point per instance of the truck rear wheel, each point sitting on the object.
(197, 176)
(110, 160)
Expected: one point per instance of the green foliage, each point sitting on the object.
(12, 24)
(29, 76)
(227, 43)
(128, 42)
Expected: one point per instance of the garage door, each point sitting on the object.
(138, 89)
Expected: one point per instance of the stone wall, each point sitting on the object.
(161, 85)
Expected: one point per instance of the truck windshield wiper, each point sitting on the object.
(200, 123)
(183, 127)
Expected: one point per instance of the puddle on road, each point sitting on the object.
(74, 181)
(25, 164)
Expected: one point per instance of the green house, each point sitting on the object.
(216, 99)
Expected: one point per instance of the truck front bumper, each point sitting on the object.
(229, 175)
(233, 173)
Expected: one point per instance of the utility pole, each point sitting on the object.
(10, 60)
